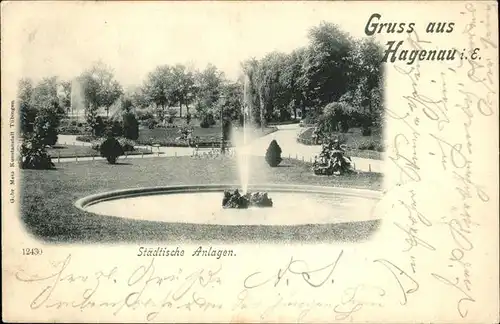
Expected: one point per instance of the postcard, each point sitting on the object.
(234, 162)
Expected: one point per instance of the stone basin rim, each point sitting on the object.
(84, 202)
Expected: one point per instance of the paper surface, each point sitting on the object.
(434, 257)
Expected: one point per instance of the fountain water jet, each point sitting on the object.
(242, 152)
(77, 106)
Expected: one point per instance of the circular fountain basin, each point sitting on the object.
(292, 205)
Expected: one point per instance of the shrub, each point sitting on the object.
(99, 126)
(144, 115)
(332, 160)
(73, 123)
(87, 138)
(96, 144)
(207, 120)
(273, 154)
(311, 118)
(111, 149)
(114, 129)
(366, 131)
(72, 130)
(127, 144)
(34, 155)
(46, 126)
(130, 126)
(152, 123)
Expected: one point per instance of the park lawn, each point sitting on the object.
(67, 151)
(54, 218)
(370, 147)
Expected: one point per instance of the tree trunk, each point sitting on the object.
(302, 108)
(262, 110)
(180, 109)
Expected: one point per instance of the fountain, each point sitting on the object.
(77, 111)
(233, 199)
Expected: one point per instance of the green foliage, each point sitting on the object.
(111, 149)
(99, 89)
(226, 129)
(336, 117)
(207, 120)
(171, 115)
(152, 123)
(325, 69)
(99, 127)
(332, 160)
(127, 144)
(28, 111)
(127, 105)
(273, 154)
(208, 87)
(130, 126)
(34, 155)
(114, 128)
(46, 126)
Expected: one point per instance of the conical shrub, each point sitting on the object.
(273, 154)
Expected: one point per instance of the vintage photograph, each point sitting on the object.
(250, 161)
(219, 135)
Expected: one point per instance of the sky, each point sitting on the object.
(63, 39)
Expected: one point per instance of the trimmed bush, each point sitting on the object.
(273, 154)
(115, 129)
(130, 126)
(111, 149)
(99, 127)
(126, 144)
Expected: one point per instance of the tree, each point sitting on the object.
(290, 79)
(64, 94)
(252, 90)
(130, 126)
(28, 111)
(326, 69)
(46, 125)
(207, 89)
(158, 89)
(365, 90)
(100, 89)
(182, 87)
(49, 112)
(230, 100)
